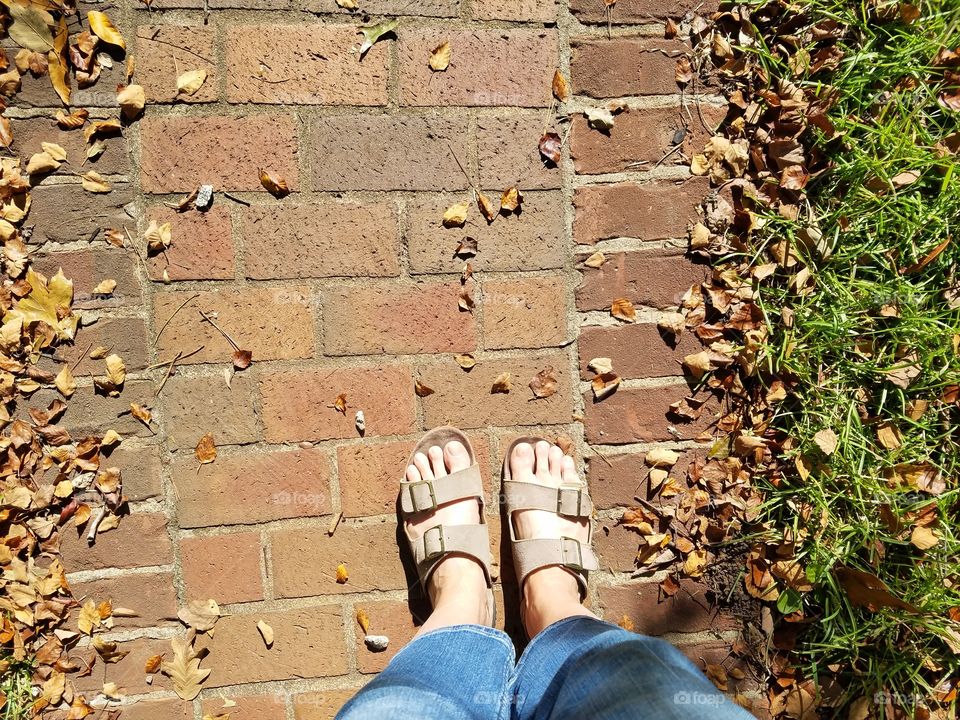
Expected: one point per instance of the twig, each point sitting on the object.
(228, 338)
(192, 297)
(334, 523)
(167, 362)
(178, 47)
(82, 356)
(457, 160)
(166, 376)
(235, 199)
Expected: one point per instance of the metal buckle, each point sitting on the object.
(560, 492)
(443, 548)
(578, 565)
(413, 497)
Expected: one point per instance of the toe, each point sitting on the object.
(556, 462)
(542, 452)
(413, 475)
(456, 456)
(521, 462)
(423, 465)
(569, 471)
(436, 462)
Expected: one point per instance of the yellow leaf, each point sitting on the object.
(92, 182)
(54, 151)
(596, 260)
(456, 215)
(266, 632)
(131, 100)
(30, 28)
(206, 450)
(105, 287)
(363, 620)
(510, 200)
(42, 162)
(89, 617)
(342, 574)
(190, 81)
(47, 302)
(466, 361)
(695, 563)
(103, 28)
(924, 538)
(561, 89)
(274, 184)
(440, 57)
(347, 4)
(485, 206)
(622, 309)
(116, 370)
(110, 437)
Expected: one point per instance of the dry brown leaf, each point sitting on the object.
(683, 73)
(560, 86)
(190, 81)
(465, 360)
(89, 618)
(826, 440)
(273, 183)
(456, 214)
(485, 206)
(58, 64)
(544, 383)
(889, 435)
(865, 589)
(131, 100)
(103, 28)
(105, 287)
(422, 390)
(184, 669)
(92, 182)
(622, 309)
(157, 237)
(465, 298)
(363, 620)
(600, 365)
(604, 385)
(152, 664)
(41, 163)
(340, 404)
(501, 384)
(924, 538)
(467, 248)
(242, 359)
(141, 413)
(206, 449)
(510, 200)
(670, 29)
(596, 260)
(342, 574)
(201, 615)
(440, 57)
(661, 458)
(74, 120)
(266, 632)
(549, 145)
(116, 369)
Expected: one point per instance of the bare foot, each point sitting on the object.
(552, 593)
(457, 586)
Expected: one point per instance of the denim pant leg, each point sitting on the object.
(454, 673)
(585, 668)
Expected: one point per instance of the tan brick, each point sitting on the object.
(322, 705)
(28, 134)
(360, 151)
(223, 567)
(166, 51)
(524, 11)
(394, 317)
(90, 413)
(393, 618)
(464, 399)
(529, 313)
(87, 268)
(639, 140)
(643, 415)
(488, 67)
(532, 240)
(638, 11)
(637, 350)
(201, 248)
(648, 211)
(508, 150)
(38, 91)
(687, 611)
(128, 673)
(140, 541)
(330, 238)
(306, 64)
(273, 323)
(645, 278)
(126, 337)
(247, 707)
(615, 480)
(615, 67)
(308, 643)
(68, 213)
(139, 470)
(192, 407)
(370, 474)
(305, 561)
(166, 709)
(150, 595)
(180, 153)
(616, 547)
(247, 488)
(298, 404)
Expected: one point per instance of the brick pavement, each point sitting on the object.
(349, 285)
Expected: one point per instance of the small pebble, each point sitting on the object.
(376, 643)
(204, 197)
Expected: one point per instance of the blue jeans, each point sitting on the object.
(577, 669)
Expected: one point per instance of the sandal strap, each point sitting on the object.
(568, 500)
(567, 552)
(428, 494)
(442, 540)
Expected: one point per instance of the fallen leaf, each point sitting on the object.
(864, 589)
(549, 145)
(596, 260)
(889, 435)
(74, 120)
(599, 118)
(467, 248)
(683, 73)
(273, 183)
(41, 163)
(485, 206)
(190, 81)
(924, 538)
(105, 287)
(672, 324)
(266, 632)
(152, 664)
(342, 574)
(89, 618)
(560, 86)
(826, 440)
(600, 365)
(104, 29)
(544, 383)
(363, 620)
(466, 361)
(49, 301)
(456, 214)
(622, 309)
(242, 359)
(131, 100)
(340, 404)
(184, 669)
(65, 382)
(29, 28)
(604, 385)
(501, 384)
(440, 57)
(510, 200)
(157, 237)
(116, 370)
(670, 29)
(347, 4)
(201, 615)
(206, 449)
(92, 182)
(372, 33)
(109, 652)
(661, 458)
(465, 299)
(422, 390)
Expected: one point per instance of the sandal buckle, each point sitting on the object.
(417, 507)
(567, 546)
(430, 549)
(560, 503)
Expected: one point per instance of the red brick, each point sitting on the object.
(128, 673)
(308, 643)
(393, 618)
(360, 151)
(322, 705)
(150, 595)
(126, 337)
(139, 470)
(464, 399)
(532, 240)
(298, 404)
(87, 268)
(238, 489)
(68, 213)
(273, 323)
(306, 64)
(247, 707)
(615, 67)
(192, 407)
(524, 11)
(28, 134)
(428, 8)
(370, 474)
(528, 313)
(305, 561)
(508, 153)
(645, 278)
(615, 480)
(329, 238)
(148, 709)
(487, 67)
(686, 612)
(90, 413)
(180, 153)
(616, 547)
(140, 541)
(637, 11)
(166, 51)
(643, 415)
(637, 351)
(639, 140)
(201, 246)
(394, 317)
(648, 211)
(223, 567)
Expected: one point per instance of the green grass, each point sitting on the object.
(15, 686)
(841, 384)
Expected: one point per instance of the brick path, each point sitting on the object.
(349, 286)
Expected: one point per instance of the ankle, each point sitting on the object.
(549, 595)
(459, 586)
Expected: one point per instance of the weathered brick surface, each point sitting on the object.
(616, 547)
(139, 469)
(653, 278)
(637, 351)
(223, 567)
(526, 10)
(192, 407)
(638, 11)
(180, 153)
(247, 707)
(299, 404)
(614, 67)
(305, 561)
(687, 611)
(68, 213)
(150, 595)
(464, 399)
(275, 324)
(248, 488)
(395, 619)
(508, 152)
(308, 643)
(128, 672)
(643, 415)
(320, 705)
(522, 61)
(147, 709)
(529, 313)
(87, 268)
(90, 413)
(303, 65)
(166, 51)
(615, 480)
(647, 211)
(201, 247)
(127, 337)
(28, 134)
(390, 317)
(372, 152)
(324, 239)
(532, 240)
(140, 541)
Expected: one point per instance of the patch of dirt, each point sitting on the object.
(725, 579)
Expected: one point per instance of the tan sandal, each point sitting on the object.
(570, 501)
(439, 541)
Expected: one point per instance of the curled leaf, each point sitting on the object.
(274, 184)
(510, 200)
(440, 57)
(544, 383)
(103, 28)
(560, 87)
(206, 449)
(372, 33)
(456, 214)
(502, 384)
(190, 81)
(550, 147)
